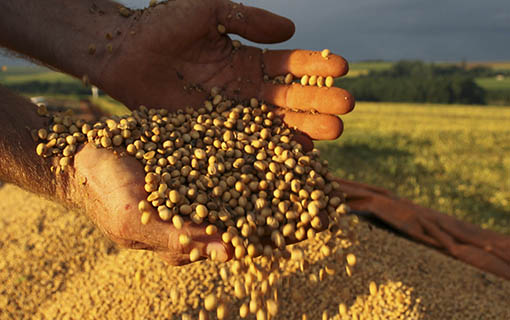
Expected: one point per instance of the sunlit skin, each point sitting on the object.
(484, 249)
(116, 185)
(155, 58)
(155, 72)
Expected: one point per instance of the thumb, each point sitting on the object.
(255, 24)
(169, 241)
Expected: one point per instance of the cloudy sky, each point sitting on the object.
(432, 30)
(400, 29)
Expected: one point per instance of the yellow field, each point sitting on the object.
(452, 158)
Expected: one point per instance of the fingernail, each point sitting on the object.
(219, 249)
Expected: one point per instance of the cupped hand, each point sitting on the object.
(109, 186)
(173, 54)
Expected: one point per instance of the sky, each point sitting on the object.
(430, 30)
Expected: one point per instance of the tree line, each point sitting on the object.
(50, 88)
(404, 81)
(416, 81)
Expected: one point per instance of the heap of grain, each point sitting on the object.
(235, 168)
(56, 265)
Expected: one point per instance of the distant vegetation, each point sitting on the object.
(50, 88)
(416, 81)
(33, 81)
(383, 81)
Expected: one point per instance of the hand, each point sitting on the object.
(176, 55)
(484, 249)
(109, 187)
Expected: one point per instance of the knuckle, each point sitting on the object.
(174, 259)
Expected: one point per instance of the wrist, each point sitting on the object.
(77, 37)
(19, 162)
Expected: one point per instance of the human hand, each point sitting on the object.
(172, 55)
(109, 186)
(484, 249)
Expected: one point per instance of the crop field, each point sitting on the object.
(364, 67)
(498, 65)
(494, 83)
(361, 68)
(24, 74)
(455, 159)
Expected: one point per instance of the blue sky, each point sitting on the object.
(432, 30)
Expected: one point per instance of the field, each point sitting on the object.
(493, 83)
(25, 74)
(498, 65)
(366, 66)
(451, 158)
(362, 68)
(19, 75)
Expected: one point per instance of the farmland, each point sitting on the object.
(26, 74)
(451, 158)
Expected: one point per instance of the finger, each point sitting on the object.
(303, 62)
(306, 98)
(324, 218)
(304, 140)
(165, 237)
(316, 126)
(255, 24)
(174, 259)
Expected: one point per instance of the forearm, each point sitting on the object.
(78, 37)
(19, 163)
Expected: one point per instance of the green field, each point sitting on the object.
(497, 90)
(455, 159)
(366, 66)
(16, 75)
(494, 84)
(362, 68)
(25, 74)
(497, 65)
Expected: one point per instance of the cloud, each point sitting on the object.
(399, 29)
(431, 30)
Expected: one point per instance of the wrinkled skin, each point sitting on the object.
(177, 45)
(484, 249)
(109, 187)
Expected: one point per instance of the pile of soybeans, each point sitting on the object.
(57, 265)
(235, 168)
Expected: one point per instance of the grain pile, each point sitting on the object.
(56, 265)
